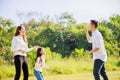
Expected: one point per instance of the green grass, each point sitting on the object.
(66, 66)
(113, 75)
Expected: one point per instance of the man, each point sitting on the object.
(98, 50)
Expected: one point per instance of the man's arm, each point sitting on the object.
(93, 50)
(96, 43)
(87, 35)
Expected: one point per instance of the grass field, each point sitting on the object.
(67, 69)
(113, 75)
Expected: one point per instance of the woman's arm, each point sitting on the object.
(30, 49)
(14, 45)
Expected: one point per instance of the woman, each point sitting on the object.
(40, 63)
(20, 47)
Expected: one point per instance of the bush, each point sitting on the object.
(78, 52)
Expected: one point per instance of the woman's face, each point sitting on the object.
(22, 31)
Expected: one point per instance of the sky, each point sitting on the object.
(82, 10)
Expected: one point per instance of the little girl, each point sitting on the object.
(40, 63)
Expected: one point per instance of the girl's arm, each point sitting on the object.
(43, 63)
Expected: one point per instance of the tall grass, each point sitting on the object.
(59, 65)
(6, 71)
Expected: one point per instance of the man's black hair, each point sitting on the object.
(94, 22)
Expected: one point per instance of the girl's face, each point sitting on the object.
(22, 31)
(42, 51)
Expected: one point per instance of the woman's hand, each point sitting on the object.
(36, 47)
(21, 51)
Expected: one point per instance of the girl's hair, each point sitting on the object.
(17, 33)
(38, 53)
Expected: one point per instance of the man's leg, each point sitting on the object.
(103, 73)
(97, 68)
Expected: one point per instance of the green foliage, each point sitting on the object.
(60, 37)
(64, 41)
(61, 65)
(6, 71)
(78, 52)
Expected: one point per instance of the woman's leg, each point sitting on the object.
(25, 68)
(17, 62)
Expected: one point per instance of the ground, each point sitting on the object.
(113, 75)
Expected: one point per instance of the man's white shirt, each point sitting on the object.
(97, 42)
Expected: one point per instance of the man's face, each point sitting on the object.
(91, 26)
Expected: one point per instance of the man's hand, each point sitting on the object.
(89, 52)
(87, 34)
(86, 30)
(94, 50)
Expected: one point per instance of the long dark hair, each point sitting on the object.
(38, 53)
(17, 33)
